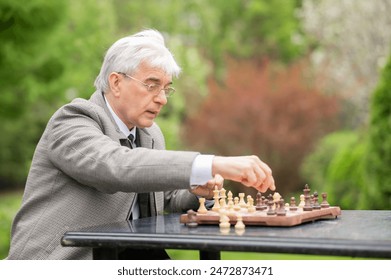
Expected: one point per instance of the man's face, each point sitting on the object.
(132, 101)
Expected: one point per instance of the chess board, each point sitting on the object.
(260, 218)
(270, 211)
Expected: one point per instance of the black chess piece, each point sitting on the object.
(316, 204)
(270, 203)
(259, 202)
(307, 198)
(324, 203)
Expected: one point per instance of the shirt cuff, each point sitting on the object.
(201, 171)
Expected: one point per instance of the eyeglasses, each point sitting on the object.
(154, 88)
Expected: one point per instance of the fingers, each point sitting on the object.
(217, 181)
(248, 170)
(207, 189)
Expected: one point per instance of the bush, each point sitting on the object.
(379, 149)
(337, 167)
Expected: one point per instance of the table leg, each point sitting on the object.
(105, 254)
(210, 255)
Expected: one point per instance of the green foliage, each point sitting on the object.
(48, 55)
(316, 166)
(355, 170)
(337, 168)
(379, 156)
(9, 204)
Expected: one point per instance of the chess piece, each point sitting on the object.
(239, 222)
(216, 206)
(302, 202)
(236, 204)
(259, 202)
(316, 204)
(276, 200)
(292, 206)
(250, 204)
(202, 209)
(307, 198)
(230, 198)
(324, 203)
(223, 196)
(192, 219)
(281, 209)
(224, 219)
(264, 203)
(230, 204)
(242, 203)
(270, 202)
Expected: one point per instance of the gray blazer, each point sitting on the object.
(81, 176)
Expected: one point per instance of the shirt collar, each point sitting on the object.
(122, 126)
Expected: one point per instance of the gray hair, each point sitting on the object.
(128, 53)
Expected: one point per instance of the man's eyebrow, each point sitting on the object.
(156, 80)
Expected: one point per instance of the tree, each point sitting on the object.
(379, 151)
(48, 56)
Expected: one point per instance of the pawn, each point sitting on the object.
(224, 219)
(316, 202)
(192, 219)
(292, 206)
(236, 204)
(248, 201)
(202, 209)
(242, 203)
(281, 209)
(239, 222)
(230, 206)
(302, 201)
(324, 203)
(250, 204)
(258, 202)
(271, 210)
(276, 199)
(264, 203)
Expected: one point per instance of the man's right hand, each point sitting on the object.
(248, 170)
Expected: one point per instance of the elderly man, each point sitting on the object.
(104, 160)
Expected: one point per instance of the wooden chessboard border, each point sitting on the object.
(259, 218)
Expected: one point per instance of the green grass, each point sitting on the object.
(9, 204)
(194, 255)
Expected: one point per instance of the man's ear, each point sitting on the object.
(114, 83)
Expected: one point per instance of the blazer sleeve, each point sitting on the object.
(80, 145)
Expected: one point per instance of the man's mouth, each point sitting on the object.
(154, 113)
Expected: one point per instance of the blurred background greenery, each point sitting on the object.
(304, 84)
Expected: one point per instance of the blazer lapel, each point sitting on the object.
(145, 140)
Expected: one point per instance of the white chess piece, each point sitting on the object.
(202, 209)
(224, 219)
(302, 202)
(239, 222)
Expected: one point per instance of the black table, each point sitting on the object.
(355, 233)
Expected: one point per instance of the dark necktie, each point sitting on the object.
(143, 198)
(131, 139)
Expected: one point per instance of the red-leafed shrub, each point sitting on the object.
(274, 112)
